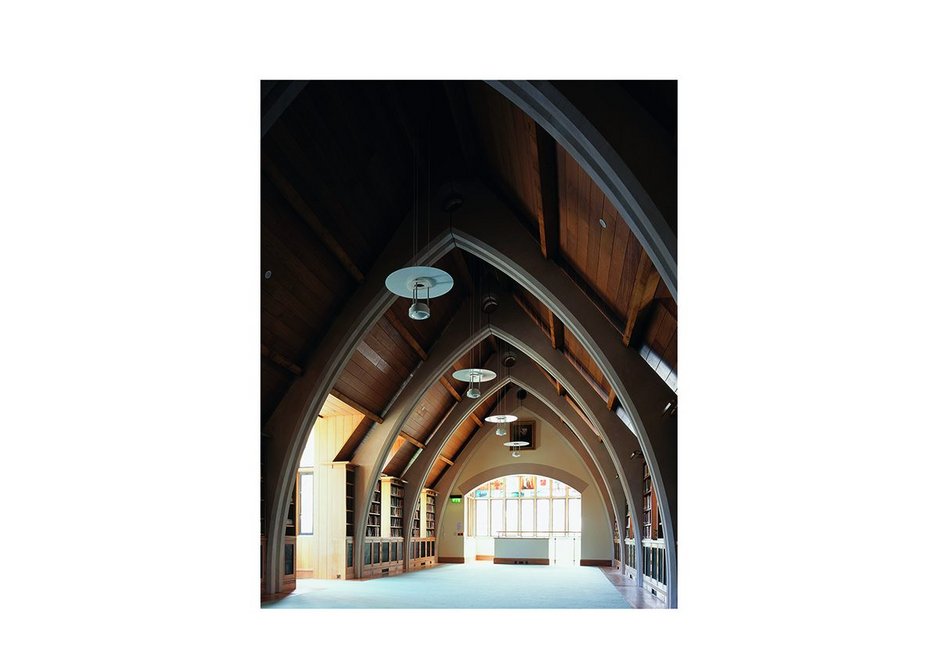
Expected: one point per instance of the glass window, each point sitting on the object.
(558, 520)
(573, 509)
(498, 516)
(543, 486)
(527, 485)
(557, 488)
(306, 503)
(527, 514)
(308, 458)
(482, 518)
(543, 515)
(498, 488)
(572, 492)
(514, 483)
(511, 515)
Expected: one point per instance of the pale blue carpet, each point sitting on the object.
(461, 586)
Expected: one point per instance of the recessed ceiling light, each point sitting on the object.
(267, 274)
(602, 223)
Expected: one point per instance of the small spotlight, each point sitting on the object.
(267, 274)
(419, 311)
(473, 393)
(602, 223)
(500, 431)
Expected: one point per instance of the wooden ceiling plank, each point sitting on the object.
(311, 219)
(475, 418)
(529, 310)
(556, 331)
(611, 400)
(446, 459)
(367, 412)
(465, 127)
(405, 333)
(549, 221)
(641, 298)
(579, 411)
(414, 441)
(281, 361)
(449, 388)
(347, 451)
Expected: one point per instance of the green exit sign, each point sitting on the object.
(455, 499)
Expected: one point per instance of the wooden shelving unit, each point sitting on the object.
(289, 545)
(349, 522)
(415, 527)
(349, 502)
(373, 526)
(392, 507)
(646, 503)
(616, 554)
(429, 513)
(384, 541)
(423, 543)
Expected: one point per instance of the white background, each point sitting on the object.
(130, 282)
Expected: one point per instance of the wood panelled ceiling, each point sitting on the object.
(337, 180)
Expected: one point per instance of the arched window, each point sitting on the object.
(526, 505)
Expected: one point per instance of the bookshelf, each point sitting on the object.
(384, 532)
(616, 554)
(349, 502)
(392, 507)
(423, 541)
(646, 502)
(429, 513)
(373, 526)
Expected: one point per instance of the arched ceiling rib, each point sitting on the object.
(337, 183)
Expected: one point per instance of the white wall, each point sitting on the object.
(554, 450)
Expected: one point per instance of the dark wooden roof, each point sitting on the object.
(338, 178)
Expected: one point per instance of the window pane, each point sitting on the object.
(514, 483)
(498, 516)
(511, 516)
(498, 488)
(543, 486)
(306, 503)
(572, 492)
(543, 514)
(482, 518)
(308, 458)
(527, 485)
(557, 523)
(557, 487)
(573, 508)
(482, 492)
(527, 515)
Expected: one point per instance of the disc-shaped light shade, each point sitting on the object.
(403, 282)
(474, 375)
(516, 444)
(501, 418)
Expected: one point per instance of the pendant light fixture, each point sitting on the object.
(474, 375)
(514, 447)
(420, 283)
(503, 418)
